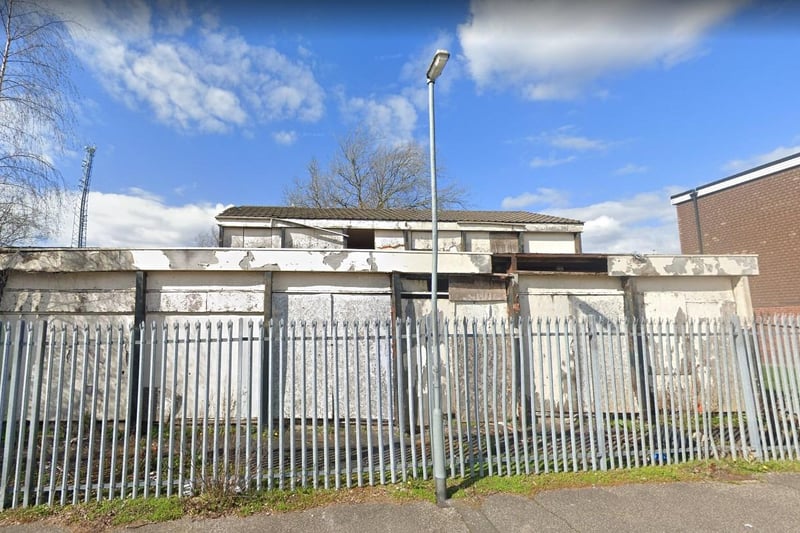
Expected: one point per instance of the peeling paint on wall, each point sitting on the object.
(682, 265)
(182, 259)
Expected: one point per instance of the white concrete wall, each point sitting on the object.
(197, 295)
(251, 237)
(548, 243)
(687, 297)
(308, 238)
(313, 305)
(559, 296)
(478, 241)
(449, 241)
(69, 296)
(191, 286)
(389, 240)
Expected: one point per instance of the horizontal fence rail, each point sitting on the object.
(101, 412)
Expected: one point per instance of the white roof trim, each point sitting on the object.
(739, 179)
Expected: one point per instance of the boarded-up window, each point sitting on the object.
(477, 289)
(504, 243)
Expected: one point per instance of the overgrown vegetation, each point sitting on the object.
(221, 500)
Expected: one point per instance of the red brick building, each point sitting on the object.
(755, 211)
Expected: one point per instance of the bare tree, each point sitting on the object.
(208, 238)
(365, 173)
(35, 117)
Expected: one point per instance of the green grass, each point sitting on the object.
(221, 500)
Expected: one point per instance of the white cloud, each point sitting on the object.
(546, 162)
(176, 18)
(631, 168)
(643, 223)
(550, 91)
(194, 77)
(576, 142)
(551, 50)
(392, 118)
(542, 196)
(138, 219)
(737, 165)
(286, 138)
(564, 138)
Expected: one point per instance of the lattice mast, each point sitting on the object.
(81, 221)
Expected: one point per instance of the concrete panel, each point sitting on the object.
(15, 301)
(568, 284)
(208, 378)
(578, 303)
(685, 284)
(389, 240)
(683, 265)
(360, 356)
(252, 237)
(549, 243)
(478, 241)
(314, 282)
(78, 357)
(680, 306)
(307, 238)
(449, 241)
(203, 302)
(71, 281)
(231, 260)
(205, 280)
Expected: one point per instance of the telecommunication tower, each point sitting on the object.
(80, 223)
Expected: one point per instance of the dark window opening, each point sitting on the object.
(442, 284)
(415, 291)
(581, 263)
(361, 239)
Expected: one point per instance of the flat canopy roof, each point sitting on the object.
(409, 215)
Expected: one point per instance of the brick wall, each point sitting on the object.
(762, 217)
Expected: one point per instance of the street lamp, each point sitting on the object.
(437, 425)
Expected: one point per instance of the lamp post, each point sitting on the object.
(437, 425)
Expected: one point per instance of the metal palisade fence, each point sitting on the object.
(93, 411)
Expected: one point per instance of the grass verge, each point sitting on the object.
(95, 516)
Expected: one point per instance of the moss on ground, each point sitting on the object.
(221, 501)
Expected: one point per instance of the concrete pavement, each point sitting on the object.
(770, 503)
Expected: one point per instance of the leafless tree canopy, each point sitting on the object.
(367, 174)
(208, 238)
(35, 116)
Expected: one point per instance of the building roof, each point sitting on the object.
(404, 215)
(737, 179)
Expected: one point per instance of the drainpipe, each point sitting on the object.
(693, 195)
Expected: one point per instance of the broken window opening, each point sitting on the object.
(360, 239)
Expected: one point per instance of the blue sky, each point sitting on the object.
(592, 110)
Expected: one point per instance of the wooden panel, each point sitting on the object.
(504, 243)
(477, 289)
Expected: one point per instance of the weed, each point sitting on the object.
(225, 498)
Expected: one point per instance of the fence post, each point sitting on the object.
(40, 351)
(747, 386)
(139, 312)
(597, 399)
(12, 412)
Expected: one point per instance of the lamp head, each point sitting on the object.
(437, 64)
